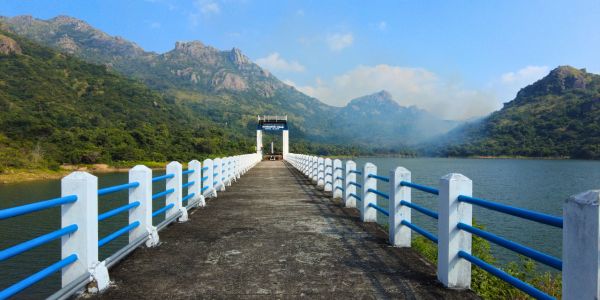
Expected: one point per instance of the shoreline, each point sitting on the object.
(27, 175)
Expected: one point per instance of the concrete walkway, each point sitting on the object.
(274, 235)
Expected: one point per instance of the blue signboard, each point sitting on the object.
(272, 126)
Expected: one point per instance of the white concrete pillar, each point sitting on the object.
(143, 212)
(286, 142)
(328, 175)
(207, 181)
(238, 167)
(338, 182)
(400, 235)
(453, 271)
(315, 169)
(307, 165)
(259, 144)
(84, 241)
(368, 214)
(196, 188)
(581, 246)
(175, 183)
(320, 172)
(350, 189)
(217, 174)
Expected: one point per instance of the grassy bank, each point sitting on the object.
(14, 175)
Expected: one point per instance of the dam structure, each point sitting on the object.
(246, 226)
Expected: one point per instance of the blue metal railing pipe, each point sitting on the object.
(188, 197)
(423, 188)
(118, 210)
(382, 178)
(163, 177)
(514, 211)
(188, 184)
(204, 178)
(420, 209)
(117, 188)
(190, 171)
(205, 168)
(357, 197)
(523, 286)
(376, 192)
(356, 172)
(31, 280)
(38, 241)
(162, 210)
(531, 253)
(109, 238)
(358, 185)
(162, 194)
(420, 231)
(37, 206)
(379, 208)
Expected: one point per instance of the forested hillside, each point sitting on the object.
(55, 109)
(557, 116)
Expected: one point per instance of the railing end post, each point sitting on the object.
(453, 271)
(581, 240)
(399, 235)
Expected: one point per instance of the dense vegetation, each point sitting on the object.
(558, 116)
(57, 109)
(491, 287)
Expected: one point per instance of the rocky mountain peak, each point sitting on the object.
(380, 98)
(9, 46)
(237, 57)
(559, 80)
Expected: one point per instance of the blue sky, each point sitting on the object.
(457, 59)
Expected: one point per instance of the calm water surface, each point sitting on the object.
(540, 185)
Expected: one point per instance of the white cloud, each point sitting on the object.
(203, 8)
(339, 41)
(208, 7)
(300, 13)
(274, 62)
(508, 84)
(155, 25)
(382, 25)
(409, 86)
(525, 75)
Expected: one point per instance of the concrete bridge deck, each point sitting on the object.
(274, 235)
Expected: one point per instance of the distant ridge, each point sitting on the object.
(223, 86)
(557, 116)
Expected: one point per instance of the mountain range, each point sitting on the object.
(557, 116)
(210, 95)
(225, 87)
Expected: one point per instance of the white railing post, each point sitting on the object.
(238, 167)
(196, 188)
(207, 173)
(227, 166)
(320, 172)
(83, 242)
(315, 169)
(453, 271)
(350, 189)
(337, 179)
(367, 213)
(581, 246)
(143, 212)
(174, 198)
(328, 175)
(400, 235)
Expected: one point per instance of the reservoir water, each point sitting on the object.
(540, 185)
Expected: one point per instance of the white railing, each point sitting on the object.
(580, 223)
(80, 244)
